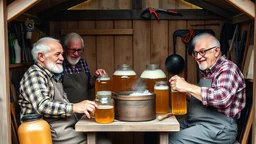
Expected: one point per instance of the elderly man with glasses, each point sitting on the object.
(216, 102)
(77, 79)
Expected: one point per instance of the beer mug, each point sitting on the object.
(105, 110)
(161, 89)
(103, 83)
(179, 103)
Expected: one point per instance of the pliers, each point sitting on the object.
(153, 11)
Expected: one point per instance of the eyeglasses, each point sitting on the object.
(201, 52)
(72, 50)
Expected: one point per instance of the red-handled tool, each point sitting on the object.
(147, 13)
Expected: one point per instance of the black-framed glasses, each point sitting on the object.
(72, 50)
(201, 52)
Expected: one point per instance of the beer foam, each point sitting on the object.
(105, 107)
(104, 93)
(136, 93)
(121, 72)
(161, 87)
(103, 78)
(153, 74)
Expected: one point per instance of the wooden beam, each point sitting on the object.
(98, 31)
(60, 7)
(254, 85)
(18, 7)
(240, 18)
(212, 8)
(5, 120)
(137, 4)
(187, 14)
(245, 6)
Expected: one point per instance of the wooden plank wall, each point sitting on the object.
(151, 42)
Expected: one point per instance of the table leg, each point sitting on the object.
(91, 138)
(163, 138)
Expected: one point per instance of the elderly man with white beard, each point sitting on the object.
(216, 102)
(41, 92)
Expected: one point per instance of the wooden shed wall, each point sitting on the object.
(150, 42)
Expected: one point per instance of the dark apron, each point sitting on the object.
(204, 125)
(76, 87)
(62, 129)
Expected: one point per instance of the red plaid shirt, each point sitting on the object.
(227, 93)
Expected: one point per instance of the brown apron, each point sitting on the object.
(76, 87)
(62, 129)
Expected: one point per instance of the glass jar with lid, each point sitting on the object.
(105, 107)
(103, 83)
(124, 78)
(151, 74)
(34, 129)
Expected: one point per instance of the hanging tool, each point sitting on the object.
(148, 12)
(187, 38)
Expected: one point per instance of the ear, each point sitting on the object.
(217, 50)
(41, 57)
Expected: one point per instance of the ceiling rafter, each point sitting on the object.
(60, 7)
(245, 6)
(17, 7)
(212, 8)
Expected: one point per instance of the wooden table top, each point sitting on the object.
(166, 125)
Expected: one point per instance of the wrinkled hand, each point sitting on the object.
(85, 107)
(178, 83)
(99, 72)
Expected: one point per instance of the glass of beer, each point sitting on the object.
(161, 89)
(105, 110)
(179, 103)
(103, 83)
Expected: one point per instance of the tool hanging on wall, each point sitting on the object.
(186, 36)
(148, 12)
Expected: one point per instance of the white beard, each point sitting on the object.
(73, 62)
(201, 67)
(53, 66)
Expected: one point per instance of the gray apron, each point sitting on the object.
(205, 125)
(62, 129)
(76, 87)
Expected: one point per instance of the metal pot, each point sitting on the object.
(134, 108)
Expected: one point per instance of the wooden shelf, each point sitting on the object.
(26, 64)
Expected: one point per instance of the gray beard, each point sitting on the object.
(73, 62)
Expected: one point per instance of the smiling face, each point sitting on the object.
(74, 50)
(210, 57)
(53, 59)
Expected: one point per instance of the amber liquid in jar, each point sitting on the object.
(162, 97)
(123, 81)
(104, 114)
(179, 103)
(151, 75)
(103, 84)
(35, 130)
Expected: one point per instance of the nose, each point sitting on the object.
(61, 58)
